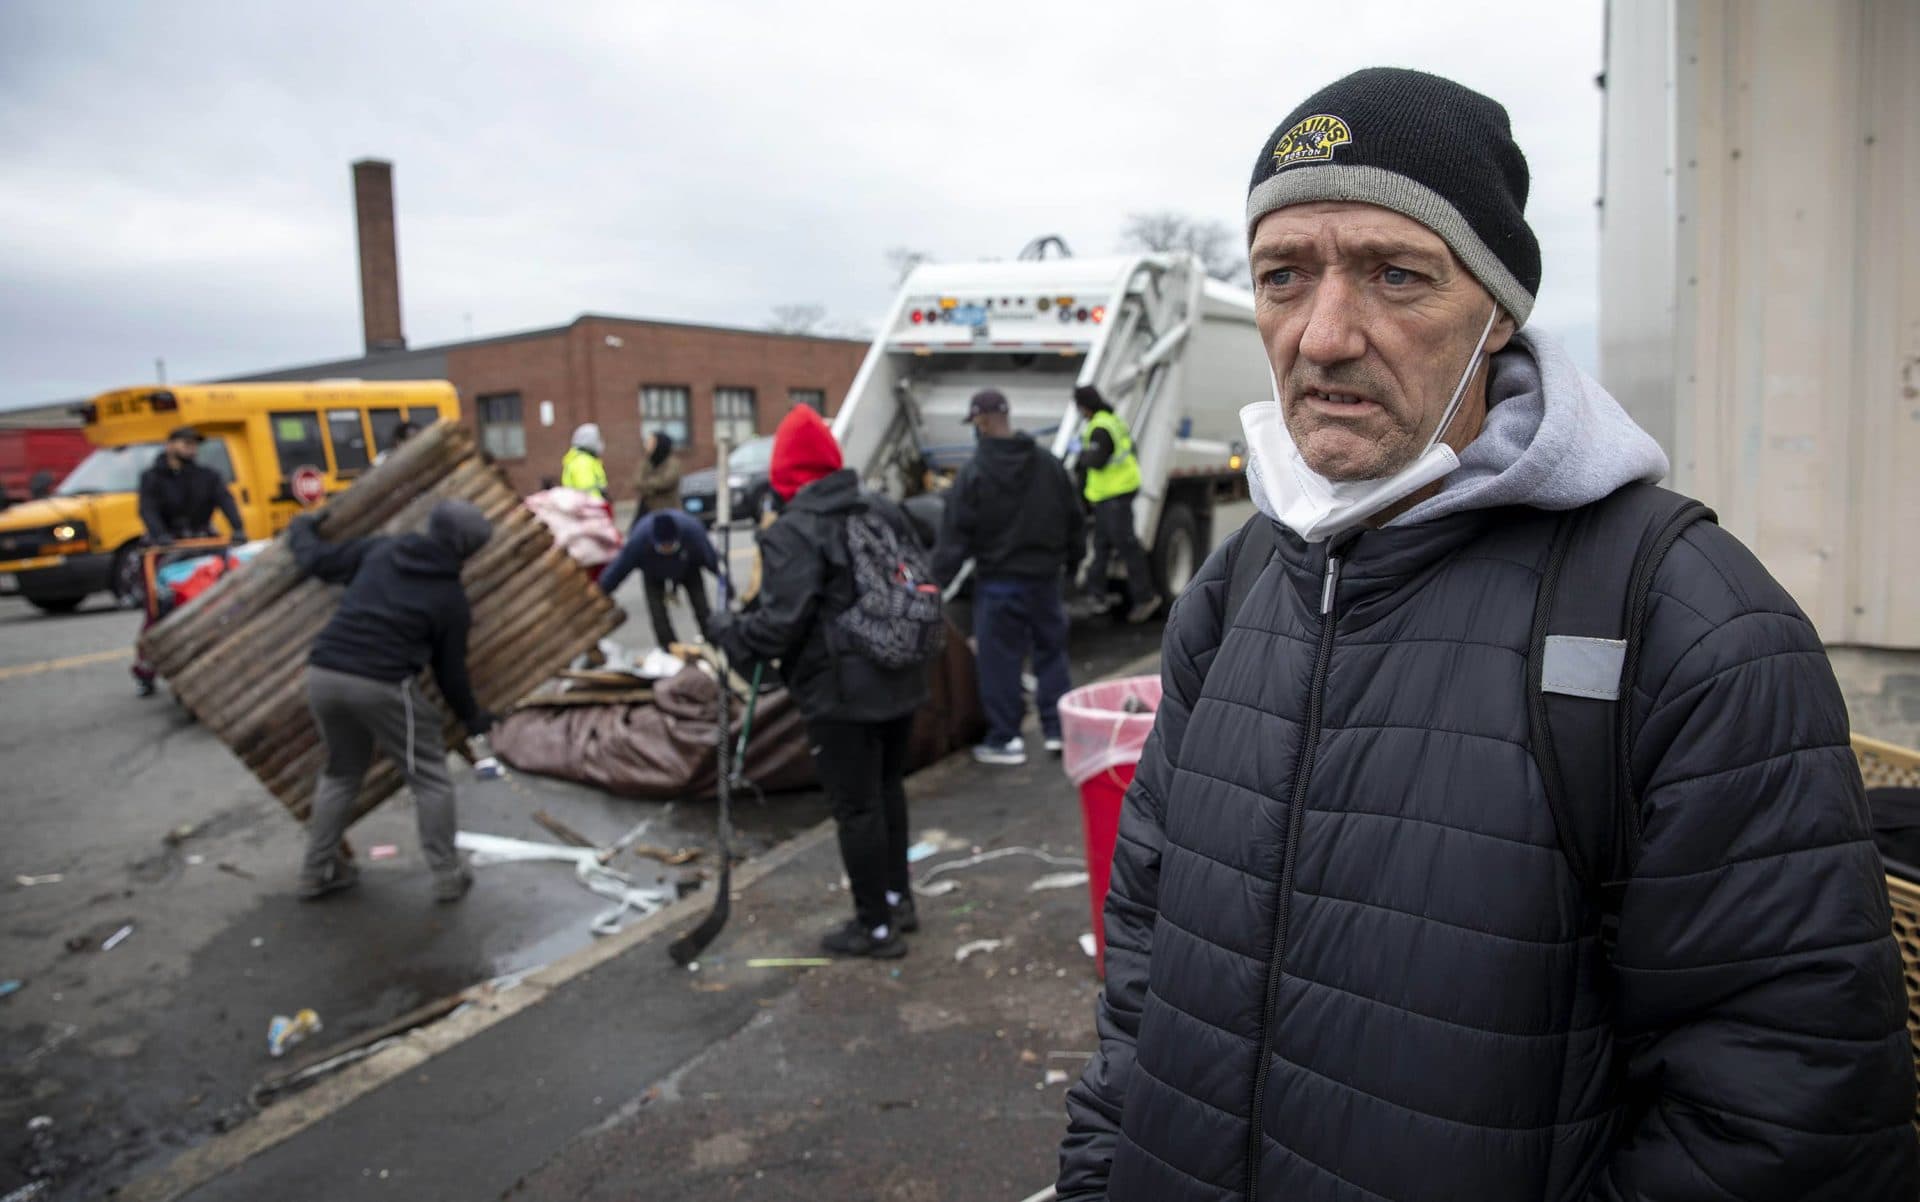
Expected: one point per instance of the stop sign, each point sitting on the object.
(309, 485)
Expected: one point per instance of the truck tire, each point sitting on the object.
(1176, 550)
(56, 605)
(128, 581)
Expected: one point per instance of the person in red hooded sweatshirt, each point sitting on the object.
(858, 714)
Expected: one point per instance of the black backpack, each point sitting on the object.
(896, 619)
(1584, 654)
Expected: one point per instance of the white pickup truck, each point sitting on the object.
(1175, 353)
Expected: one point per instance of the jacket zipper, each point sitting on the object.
(1302, 777)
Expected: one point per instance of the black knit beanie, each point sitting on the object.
(1423, 146)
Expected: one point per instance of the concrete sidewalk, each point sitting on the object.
(925, 1078)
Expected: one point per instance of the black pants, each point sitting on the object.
(696, 591)
(1012, 617)
(1113, 534)
(863, 767)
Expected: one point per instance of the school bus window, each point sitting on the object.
(213, 454)
(423, 417)
(296, 438)
(384, 423)
(349, 439)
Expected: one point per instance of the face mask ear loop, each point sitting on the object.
(1460, 389)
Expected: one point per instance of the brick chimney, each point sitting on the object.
(379, 256)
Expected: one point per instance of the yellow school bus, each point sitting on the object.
(85, 538)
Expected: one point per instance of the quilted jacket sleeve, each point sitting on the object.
(1762, 1014)
(1093, 1104)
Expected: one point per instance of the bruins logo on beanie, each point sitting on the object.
(1425, 147)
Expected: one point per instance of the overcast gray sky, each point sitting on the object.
(174, 178)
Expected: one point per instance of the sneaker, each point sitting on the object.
(342, 875)
(1013, 751)
(1145, 610)
(906, 916)
(452, 886)
(852, 939)
(1055, 744)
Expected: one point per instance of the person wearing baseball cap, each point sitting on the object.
(1370, 933)
(1012, 511)
(178, 497)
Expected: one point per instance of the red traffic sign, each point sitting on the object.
(309, 485)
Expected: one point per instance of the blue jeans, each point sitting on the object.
(1011, 618)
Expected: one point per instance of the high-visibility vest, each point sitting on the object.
(584, 471)
(1122, 473)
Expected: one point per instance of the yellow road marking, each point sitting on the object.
(71, 661)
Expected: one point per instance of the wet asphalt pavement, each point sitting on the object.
(139, 1051)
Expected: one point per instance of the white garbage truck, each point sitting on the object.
(1176, 354)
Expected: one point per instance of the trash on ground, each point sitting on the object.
(609, 883)
(659, 664)
(937, 889)
(195, 860)
(235, 870)
(1000, 853)
(921, 851)
(11, 985)
(180, 834)
(961, 953)
(789, 962)
(117, 938)
(1056, 1077)
(45, 878)
(258, 941)
(383, 851)
(29, 1191)
(368, 1043)
(1087, 944)
(1058, 880)
(284, 1032)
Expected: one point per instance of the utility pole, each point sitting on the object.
(160, 370)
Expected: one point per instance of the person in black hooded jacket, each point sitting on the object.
(404, 608)
(859, 715)
(1014, 512)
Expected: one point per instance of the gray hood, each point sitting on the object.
(1554, 439)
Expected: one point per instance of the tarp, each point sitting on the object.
(666, 750)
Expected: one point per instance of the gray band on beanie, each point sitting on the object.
(1390, 190)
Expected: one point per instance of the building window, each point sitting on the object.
(501, 431)
(663, 410)
(733, 417)
(813, 398)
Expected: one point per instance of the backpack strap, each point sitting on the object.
(1582, 660)
(1246, 559)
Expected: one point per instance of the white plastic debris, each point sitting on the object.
(1088, 945)
(961, 953)
(1058, 880)
(609, 883)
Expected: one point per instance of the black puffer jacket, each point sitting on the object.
(1338, 903)
(806, 581)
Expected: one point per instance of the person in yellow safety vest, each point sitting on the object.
(582, 467)
(1113, 480)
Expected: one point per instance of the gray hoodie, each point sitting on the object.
(1554, 439)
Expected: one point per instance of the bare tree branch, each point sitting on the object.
(1212, 242)
(805, 318)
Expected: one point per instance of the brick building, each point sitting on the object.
(523, 394)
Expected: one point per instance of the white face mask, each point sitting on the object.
(1317, 508)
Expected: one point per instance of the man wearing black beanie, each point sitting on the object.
(1498, 837)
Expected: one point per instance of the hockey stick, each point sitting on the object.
(691, 944)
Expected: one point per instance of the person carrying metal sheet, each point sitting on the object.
(668, 548)
(404, 608)
(1113, 481)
